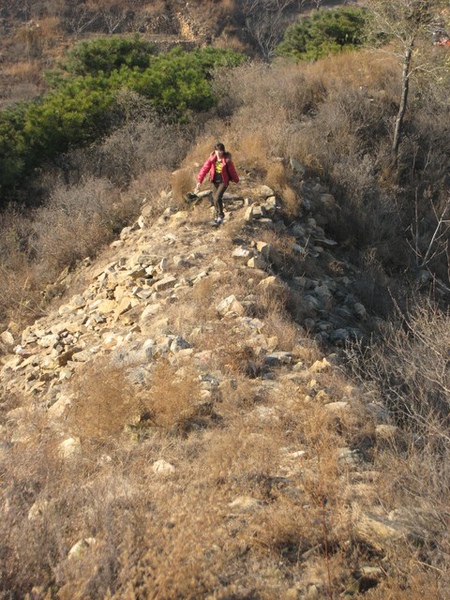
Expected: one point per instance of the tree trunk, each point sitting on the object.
(403, 101)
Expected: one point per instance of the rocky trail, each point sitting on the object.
(216, 306)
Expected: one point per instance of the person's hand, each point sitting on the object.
(197, 188)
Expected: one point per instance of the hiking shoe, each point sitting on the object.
(218, 220)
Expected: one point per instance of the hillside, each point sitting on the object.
(36, 35)
(169, 431)
(252, 411)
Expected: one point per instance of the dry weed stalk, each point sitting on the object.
(173, 397)
(104, 401)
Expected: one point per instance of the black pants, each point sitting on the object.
(218, 192)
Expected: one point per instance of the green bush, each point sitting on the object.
(75, 114)
(105, 55)
(324, 32)
(12, 155)
(84, 104)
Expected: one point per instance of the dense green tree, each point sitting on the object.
(75, 114)
(324, 32)
(85, 103)
(105, 55)
(12, 146)
(178, 82)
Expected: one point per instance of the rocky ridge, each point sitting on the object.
(131, 312)
(155, 265)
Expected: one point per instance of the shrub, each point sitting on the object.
(104, 402)
(105, 55)
(324, 32)
(75, 223)
(12, 148)
(409, 370)
(173, 398)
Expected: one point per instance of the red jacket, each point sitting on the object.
(228, 170)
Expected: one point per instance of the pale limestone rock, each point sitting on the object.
(78, 301)
(229, 306)
(57, 410)
(378, 532)
(150, 310)
(70, 448)
(80, 547)
(163, 468)
(165, 284)
(257, 262)
(125, 305)
(258, 211)
(111, 340)
(269, 253)
(270, 282)
(248, 215)
(242, 253)
(37, 510)
(106, 306)
(245, 504)
(278, 358)
(7, 338)
(65, 374)
(265, 191)
(319, 366)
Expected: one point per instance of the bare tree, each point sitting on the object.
(80, 17)
(428, 248)
(266, 21)
(114, 14)
(404, 24)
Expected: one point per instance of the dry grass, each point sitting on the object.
(229, 516)
(182, 183)
(28, 70)
(173, 398)
(276, 175)
(104, 402)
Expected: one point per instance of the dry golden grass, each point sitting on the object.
(51, 30)
(182, 183)
(252, 149)
(276, 176)
(279, 325)
(104, 402)
(292, 203)
(28, 70)
(173, 398)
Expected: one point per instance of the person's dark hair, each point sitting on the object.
(219, 146)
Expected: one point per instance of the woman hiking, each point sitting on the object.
(221, 171)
